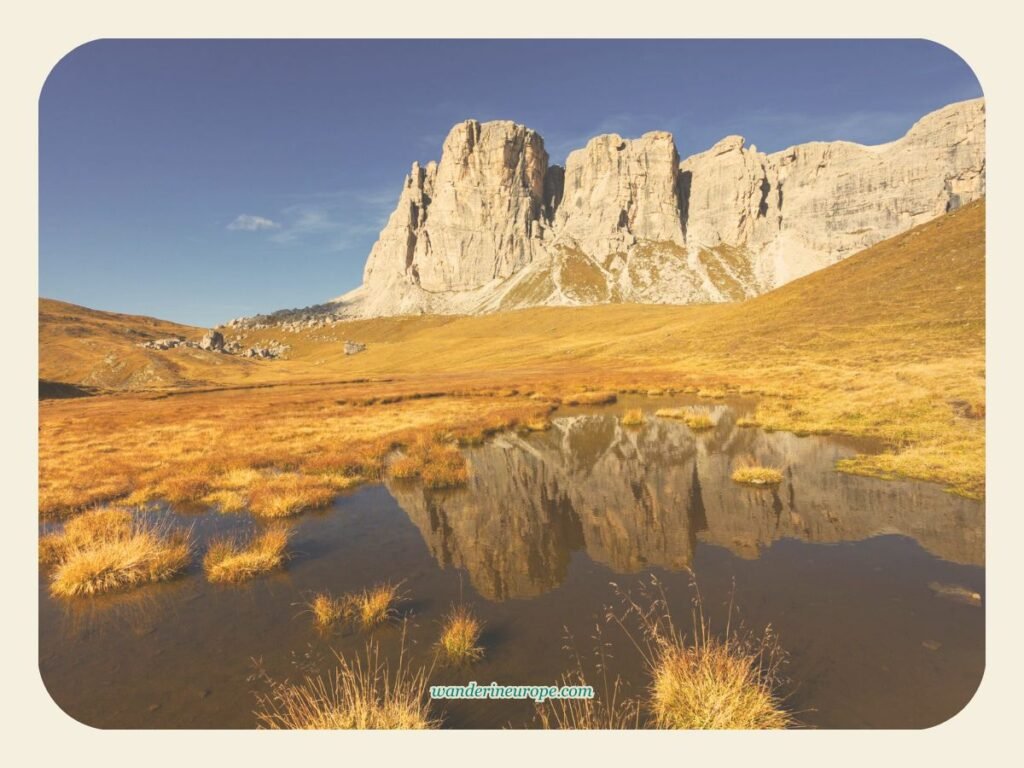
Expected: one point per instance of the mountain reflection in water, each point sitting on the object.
(635, 498)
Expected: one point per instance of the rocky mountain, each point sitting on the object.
(494, 226)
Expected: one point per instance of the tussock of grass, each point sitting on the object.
(537, 424)
(406, 467)
(714, 393)
(188, 484)
(226, 500)
(747, 421)
(327, 610)
(590, 398)
(234, 560)
(714, 684)
(752, 474)
(634, 417)
(374, 606)
(707, 681)
(112, 549)
(460, 636)
(97, 526)
(437, 462)
(695, 420)
(614, 713)
(288, 493)
(366, 694)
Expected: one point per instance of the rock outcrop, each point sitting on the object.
(619, 192)
(213, 341)
(494, 226)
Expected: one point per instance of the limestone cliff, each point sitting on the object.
(493, 226)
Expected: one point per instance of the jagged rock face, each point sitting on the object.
(469, 220)
(492, 226)
(619, 192)
(636, 498)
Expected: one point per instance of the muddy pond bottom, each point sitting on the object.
(874, 588)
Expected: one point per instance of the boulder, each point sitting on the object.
(212, 341)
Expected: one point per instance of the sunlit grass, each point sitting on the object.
(374, 606)
(366, 693)
(753, 474)
(460, 636)
(114, 549)
(694, 419)
(634, 417)
(233, 559)
(704, 679)
(590, 398)
(714, 684)
(287, 494)
(327, 610)
(436, 461)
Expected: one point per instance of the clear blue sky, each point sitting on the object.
(202, 180)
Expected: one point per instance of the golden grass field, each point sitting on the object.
(889, 343)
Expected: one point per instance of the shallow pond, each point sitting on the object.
(852, 573)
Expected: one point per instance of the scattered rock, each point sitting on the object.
(212, 341)
(271, 351)
(162, 343)
(353, 347)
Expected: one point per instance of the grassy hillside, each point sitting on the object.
(888, 343)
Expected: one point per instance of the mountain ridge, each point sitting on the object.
(493, 226)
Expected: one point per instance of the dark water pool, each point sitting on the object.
(852, 573)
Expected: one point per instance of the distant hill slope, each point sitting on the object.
(83, 350)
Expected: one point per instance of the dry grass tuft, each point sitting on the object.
(367, 694)
(754, 475)
(536, 424)
(437, 462)
(695, 420)
(234, 560)
(714, 684)
(634, 417)
(374, 606)
(111, 549)
(591, 398)
(226, 500)
(709, 681)
(288, 493)
(187, 484)
(327, 610)
(616, 713)
(461, 635)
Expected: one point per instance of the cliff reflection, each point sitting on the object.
(634, 498)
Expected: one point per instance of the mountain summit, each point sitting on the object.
(493, 226)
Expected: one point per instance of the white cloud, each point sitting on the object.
(246, 222)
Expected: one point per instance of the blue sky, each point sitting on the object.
(201, 180)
